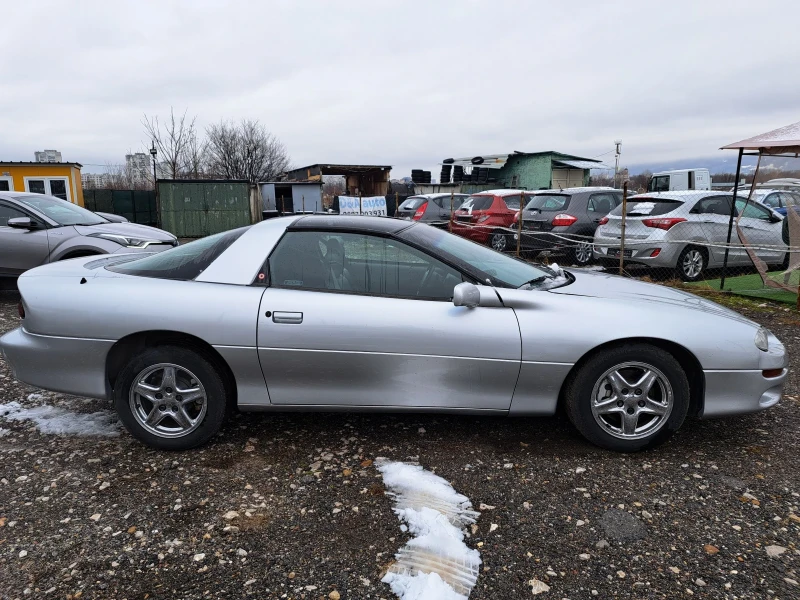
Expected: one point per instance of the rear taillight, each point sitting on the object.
(563, 220)
(663, 223)
(655, 253)
(420, 211)
(21, 310)
(603, 221)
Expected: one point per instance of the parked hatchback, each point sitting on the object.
(487, 217)
(564, 221)
(433, 209)
(777, 200)
(36, 229)
(687, 231)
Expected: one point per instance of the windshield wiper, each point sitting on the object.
(536, 280)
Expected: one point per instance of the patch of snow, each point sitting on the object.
(59, 421)
(4, 431)
(435, 563)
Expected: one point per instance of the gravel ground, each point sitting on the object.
(291, 506)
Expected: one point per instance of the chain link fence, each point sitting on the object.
(703, 239)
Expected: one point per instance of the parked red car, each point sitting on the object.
(486, 216)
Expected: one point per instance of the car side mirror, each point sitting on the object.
(775, 219)
(22, 223)
(466, 294)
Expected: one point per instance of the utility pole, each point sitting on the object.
(617, 152)
(153, 153)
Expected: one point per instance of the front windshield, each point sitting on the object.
(484, 263)
(61, 211)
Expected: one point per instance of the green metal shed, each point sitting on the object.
(197, 208)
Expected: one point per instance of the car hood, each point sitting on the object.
(603, 285)
(127, 229)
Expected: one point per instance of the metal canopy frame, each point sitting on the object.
(781, 142)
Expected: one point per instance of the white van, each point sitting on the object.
(680, 179)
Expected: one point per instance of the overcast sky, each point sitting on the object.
(403, 83)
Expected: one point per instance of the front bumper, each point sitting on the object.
(69, 365)
(741, 392)
(149, 249)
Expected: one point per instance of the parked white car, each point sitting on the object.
(687, 231)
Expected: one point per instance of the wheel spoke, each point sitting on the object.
(168, 379)
(146, 390)
(653, 407)
(646, 382)
(182, 419)
(155, 417)
(618, 382)
(629, 423)
(607, 406)
(191, 395)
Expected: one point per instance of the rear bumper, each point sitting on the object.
(69, 365)
(547, 240)
(641, 252)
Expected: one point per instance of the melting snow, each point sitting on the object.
(435, 564)
(59, 421)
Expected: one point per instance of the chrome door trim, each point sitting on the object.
(506, 360)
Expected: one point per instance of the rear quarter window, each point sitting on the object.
(183, 263)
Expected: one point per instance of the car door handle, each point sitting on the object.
(288, 318)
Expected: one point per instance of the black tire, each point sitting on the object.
(188, 362)
(478, 160)
(686, 263)
(581, 386)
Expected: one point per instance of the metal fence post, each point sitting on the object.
(730, 221)
(519, 227)
(622, 232)
(359, 203)
(450, 222)
(396, 203)
(303, 197)
(283, 206)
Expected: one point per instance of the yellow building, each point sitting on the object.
(57, 179)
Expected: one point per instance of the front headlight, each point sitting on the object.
(128, 242)
(762, 339)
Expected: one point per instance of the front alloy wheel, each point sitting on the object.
(627, 398)
(499, 241)
(632, 400)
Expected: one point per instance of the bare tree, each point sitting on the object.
(245, 150)
(173, 139)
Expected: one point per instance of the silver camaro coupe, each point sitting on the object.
(324, 313)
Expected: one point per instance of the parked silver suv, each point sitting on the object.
(687, 231)
(36, 229)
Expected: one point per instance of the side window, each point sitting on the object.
(602, 203)
(7, 212)
(715, 205)
(773, 201)
(512, 202)
(360, 264)
(752, 211)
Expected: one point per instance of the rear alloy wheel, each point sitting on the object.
(499, 241)
(582, 254)
(630, 398)
(691, 263)
(170, 398)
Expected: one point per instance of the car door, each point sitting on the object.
(351, 319)
(714, 214)
(20, 249)
(762, 231)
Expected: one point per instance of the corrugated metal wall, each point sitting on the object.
(138, 206)
(199, 208)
